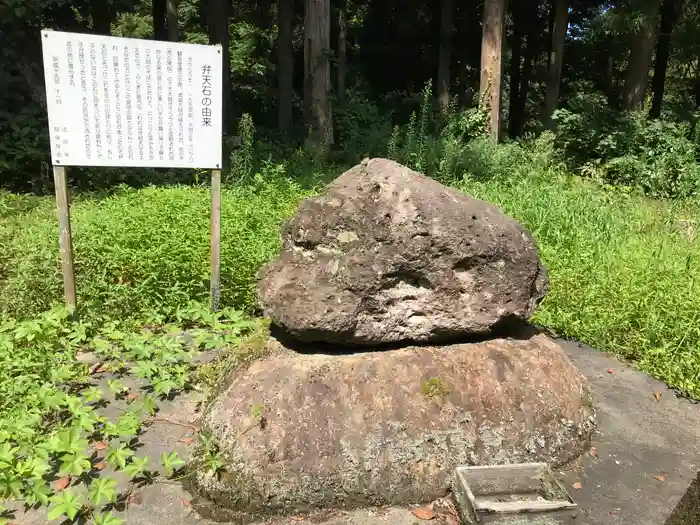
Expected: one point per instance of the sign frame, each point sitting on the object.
(127, 145)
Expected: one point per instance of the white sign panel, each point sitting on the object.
(131, 102)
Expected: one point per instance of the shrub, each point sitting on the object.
(623, 269)
(148, 249)
(362, 129)
(627, 149)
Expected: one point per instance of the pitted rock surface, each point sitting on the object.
(388, 255)
(388, 427)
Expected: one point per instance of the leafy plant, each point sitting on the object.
(50, 419)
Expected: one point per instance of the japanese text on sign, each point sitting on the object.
(130, 102)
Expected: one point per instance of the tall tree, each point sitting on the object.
(445, 55)
(217, 19)
(637, 75)
(101, 12)
(670, 10)
(171, 16)
(342, 50)
(160, 31)
(285, 64)
(317, 71)
(556, 58)
(491, 61)
(516, 52)
(532, 49)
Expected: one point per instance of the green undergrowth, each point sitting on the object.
(623, 269)
(56, 445)
(138, 251)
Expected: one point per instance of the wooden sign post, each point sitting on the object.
(126, 102)
(215, 239)
(65, 238)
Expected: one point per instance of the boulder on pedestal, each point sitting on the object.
(336, 418)
(388, 255)
(388, 427)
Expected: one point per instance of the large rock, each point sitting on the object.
(389, 255)
(388, 427)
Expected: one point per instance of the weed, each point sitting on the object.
(50, 419)
(434, 387)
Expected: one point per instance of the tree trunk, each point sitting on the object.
(285, 65)
(445, 57)
(317, 71)
(669, 14)
(609, 69)
(342, 51)
(218, 34)
(556, 59)
(637, 76)
(516, 48)
(159, 30)
(491, 61)
(532, 48)
(101, 12)
(173, 32)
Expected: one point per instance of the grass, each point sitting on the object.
(622, 270)
(139, 251)
(622, 267)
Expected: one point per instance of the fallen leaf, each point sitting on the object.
(657, 396)
(98, 368)
(297, 518)
(185, 502)
(660, 477)
(61, 484)
(445, 509)
(101, 465)
(577, 485)
(132, 396)
(611, 371)
(187, 440)
(99, 445)
(593, 452)
(424, 513)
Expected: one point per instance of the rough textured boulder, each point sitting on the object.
(388, 427)
(389, 255)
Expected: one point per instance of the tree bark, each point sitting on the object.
(445, 55)
(101, 12)
(173, 30)
(609, 82)
(532, 49)
(160, 32)
(516, 51)
(637, 76)
(556, 59)
(491, 61)
(285, 65)
(218, 34)
(670, 10)
(342, 51)
(317, 71)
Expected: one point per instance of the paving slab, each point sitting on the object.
(647, 453)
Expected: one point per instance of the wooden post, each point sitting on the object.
(65, 238)
(492, 61)
(215, 239)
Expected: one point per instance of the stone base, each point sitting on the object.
(302, 431)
